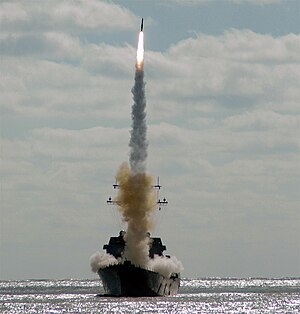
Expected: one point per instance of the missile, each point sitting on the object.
(142, 25)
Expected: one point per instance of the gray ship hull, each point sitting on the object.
(129, 280)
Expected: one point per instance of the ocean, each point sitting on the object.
(206, 295)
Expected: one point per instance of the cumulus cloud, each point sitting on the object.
(240, 45)
(262, 120)
(55, 174)
(234, 69)
(57, 46)
(203, 2)
(79, 15)
(44, 58)
(255, 2)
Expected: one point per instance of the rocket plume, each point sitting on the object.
(140, 51)
(138, 140)
(136, 197)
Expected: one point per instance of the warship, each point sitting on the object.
(123, 278)
(122, 273)
(127, 279)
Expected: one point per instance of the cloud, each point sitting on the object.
(218, 104)
(11, 12)
(206, 2)
(240, 45)
(47, 88)
(262, 120)
(77, 144)
(239, 70)
(255, 2)
(93, 14)
(232, 70)
(57, 46)
(51, 177)
(74, 16)
(45, 58)
(237, 100)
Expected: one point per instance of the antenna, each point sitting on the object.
(116, 185)
(157, 187)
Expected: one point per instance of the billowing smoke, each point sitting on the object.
(165, 265)
(101, 260)
(136, 200)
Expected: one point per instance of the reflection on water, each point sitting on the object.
(210, 295)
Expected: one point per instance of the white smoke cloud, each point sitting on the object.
(165, 265)
(161, 264)
(101, 260)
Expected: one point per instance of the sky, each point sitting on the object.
(222, 88)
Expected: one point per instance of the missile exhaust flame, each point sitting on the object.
(140, 52)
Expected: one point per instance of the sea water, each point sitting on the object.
(206, 295)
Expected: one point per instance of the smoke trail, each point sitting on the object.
(138, 140)
(136, 197)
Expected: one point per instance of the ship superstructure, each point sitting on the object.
(124, 278)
